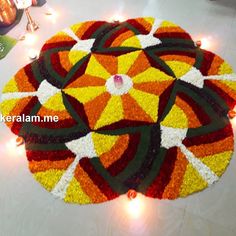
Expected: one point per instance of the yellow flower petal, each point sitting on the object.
(103, 143)
(85, 94)
(230, 84)
(60, 33)
(94, 68)
(55, 103)
(225, 68)
(150, 20)
(148, 102)
(192, 181)
(218, 162)
(49, 178)
(7, 106)
(126, 61)
(75, 56)
(176, 118)
(151, 75)
(168, 24)
(132, 42)
(112, 113)
(75, 193)
(75, 27)
(10, 87)
(179, 68)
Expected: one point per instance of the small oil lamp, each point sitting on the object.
(131, 194)
(232, 114)
(198, 43)
(19, 141)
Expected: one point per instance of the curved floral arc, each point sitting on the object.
(81, 49)
(173, 137)
(96, 145)
(144, 41)
(151, 39)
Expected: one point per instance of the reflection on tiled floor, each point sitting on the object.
(26, 209)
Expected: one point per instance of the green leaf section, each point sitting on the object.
(6, 44)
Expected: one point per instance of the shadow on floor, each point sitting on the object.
(224, 3)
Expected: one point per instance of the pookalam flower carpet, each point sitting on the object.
(140, 107)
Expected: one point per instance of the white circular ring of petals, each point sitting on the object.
(112, 89)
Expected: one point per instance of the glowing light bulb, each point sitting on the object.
(232, 114)
(132, 194)
(19, 141)
(135, 207)
(14, 148)
(11, 144)
(205, 43)
(198, 43)
(117, 18)
(51, 14)
(30, 39)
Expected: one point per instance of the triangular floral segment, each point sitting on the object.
(139, 106)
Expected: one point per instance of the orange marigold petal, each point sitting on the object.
(203, 150)
(39, 166)
(86, 80)
(110, 63)
(186, 59)
(153, 87)
(121, 38)
(88, 186)
(116, 151)
(100, 103)
(140, 65)
(65, 61)
(132, 111)
(193, 121)
(173, 187)
(23, 83)
(215, 65)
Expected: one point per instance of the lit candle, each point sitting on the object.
(19, 141)
(30, 39)
(232, 114)
(131, 194)
(117, 18)
(135, 207)
(15, 149)
(198, 43)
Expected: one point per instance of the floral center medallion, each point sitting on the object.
(119, 84)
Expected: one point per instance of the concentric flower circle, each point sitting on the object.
(139, 107)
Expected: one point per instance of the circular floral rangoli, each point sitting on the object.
(139, 107)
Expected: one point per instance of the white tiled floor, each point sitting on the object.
(26, 209)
